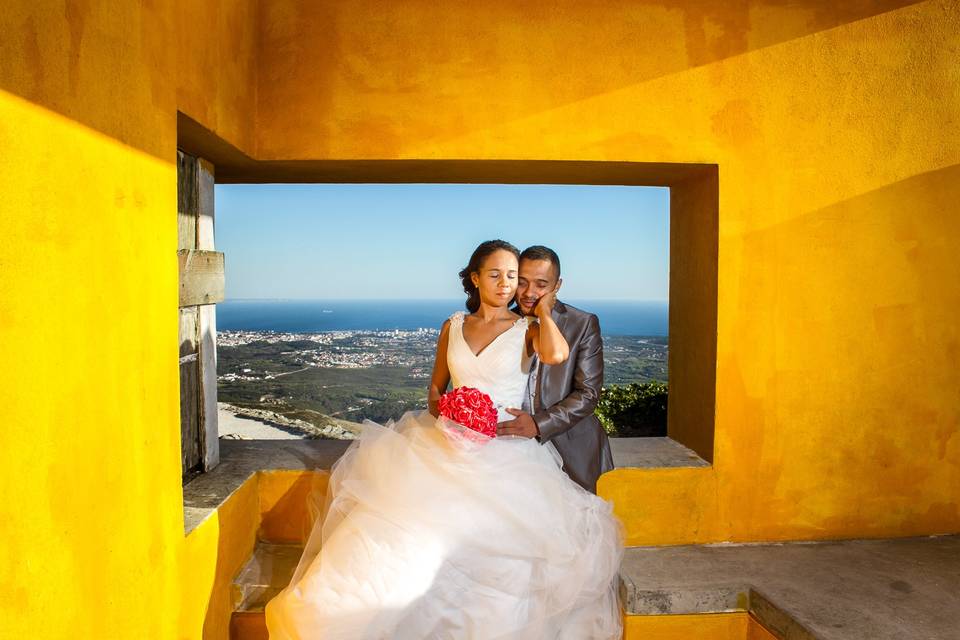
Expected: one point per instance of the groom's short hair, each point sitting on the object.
(540, 252)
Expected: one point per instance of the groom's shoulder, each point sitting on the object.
(578, 315)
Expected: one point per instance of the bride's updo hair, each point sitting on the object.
(476, 260)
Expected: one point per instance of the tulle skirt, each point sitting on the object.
(429, 534)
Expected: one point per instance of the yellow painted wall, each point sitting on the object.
(706, 626)
(215, 44)
(89, 456)
(835, 128)
(284, 516)
(91, 519)
(212, 555)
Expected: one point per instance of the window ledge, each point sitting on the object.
(240, 459)
(653, 453)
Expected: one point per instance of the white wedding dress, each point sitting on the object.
(430, 535)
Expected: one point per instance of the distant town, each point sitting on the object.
(337, 349)
(376, 375)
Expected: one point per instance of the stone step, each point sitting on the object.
(265, 574)
(883, 589)
(248, 625)
(271, 566)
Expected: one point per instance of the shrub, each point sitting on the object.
(635, 409)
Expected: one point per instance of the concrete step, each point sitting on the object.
(248, 625)
(883, 589)
(265, 574)
(271, 566)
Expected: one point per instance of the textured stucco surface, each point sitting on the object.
(836, 130)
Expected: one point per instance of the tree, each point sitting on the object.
(635, 409)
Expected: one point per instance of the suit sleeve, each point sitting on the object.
(587, 382)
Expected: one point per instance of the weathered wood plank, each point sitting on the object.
(205, 215)
(209, 428)
(201, 277)
(188, 330)
(187, 201)
(186, 231)
(201, 283)
(190, 448)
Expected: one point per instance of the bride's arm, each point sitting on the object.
(547, 340)
(441, 373)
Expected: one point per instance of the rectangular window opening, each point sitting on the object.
(335, 294)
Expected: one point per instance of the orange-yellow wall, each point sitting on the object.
(706, 626)
(211, 556)
(215, 44)
(91, 516)
(284, 498)
(835, 129)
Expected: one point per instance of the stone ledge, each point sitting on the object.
(883, 589)
(240, 459)
(653, 453)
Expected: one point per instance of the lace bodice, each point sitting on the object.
(501, 370)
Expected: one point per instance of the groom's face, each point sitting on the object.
(537, 277)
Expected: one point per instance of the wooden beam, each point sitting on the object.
(201, 277)
(191, 451)
(186, 201)
(201, 285)
(209, 428)
(205, 217)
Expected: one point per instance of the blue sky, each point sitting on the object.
(379, 241)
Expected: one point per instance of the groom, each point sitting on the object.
(562, 398)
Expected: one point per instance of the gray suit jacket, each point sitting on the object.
(568, 396)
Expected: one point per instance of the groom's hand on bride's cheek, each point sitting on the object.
(523, 425)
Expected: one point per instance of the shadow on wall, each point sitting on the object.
(862, 349)
(129, 81)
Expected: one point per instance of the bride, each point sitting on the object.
(429, 535)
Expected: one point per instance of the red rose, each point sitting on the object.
(471, 408)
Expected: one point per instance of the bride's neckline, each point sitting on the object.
(489, 344)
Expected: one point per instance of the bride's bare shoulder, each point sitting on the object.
(445, 327)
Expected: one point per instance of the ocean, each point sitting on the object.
(617, 318)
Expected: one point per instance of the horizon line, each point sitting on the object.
(651, 300)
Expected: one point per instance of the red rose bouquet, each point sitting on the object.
(470, 408)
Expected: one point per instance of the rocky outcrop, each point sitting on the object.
(318, 425)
